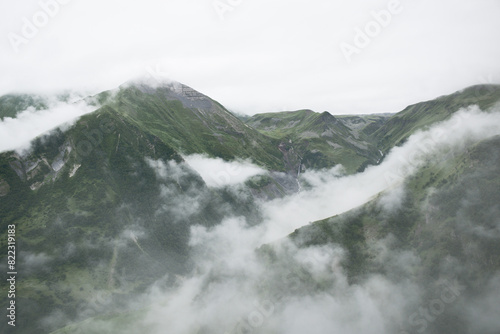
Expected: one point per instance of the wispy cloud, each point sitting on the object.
(17, 133)
(218, 173)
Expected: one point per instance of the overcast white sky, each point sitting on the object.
(262, 56)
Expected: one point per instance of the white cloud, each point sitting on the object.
(17, 133)
(218, 173)
(35, 262)
(228, 292)
(392, 199)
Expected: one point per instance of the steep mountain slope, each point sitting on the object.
(418, 116)
(445, 227)
(191, 122)
(313, 140)
(365, 124)
(101, 211)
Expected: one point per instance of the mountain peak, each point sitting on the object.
(325, 116)
(149, 83)
(170, 90)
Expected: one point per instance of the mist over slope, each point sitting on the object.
(162, 212)
(403, 263)
(421, 115)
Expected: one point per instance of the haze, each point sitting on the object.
(255, 56)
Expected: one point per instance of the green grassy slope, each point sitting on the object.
(315, 140)
(193, 123)
(100, 224)
(418, 116)
(448, 219)
(366, 124)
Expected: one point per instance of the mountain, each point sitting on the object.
(82, 200)
(445, 229)
(190, 122)
(419, 116)
(423, 221)
(321, 140)
(109, 210)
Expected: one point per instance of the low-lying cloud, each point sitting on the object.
(17, 133)
(219, 173)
